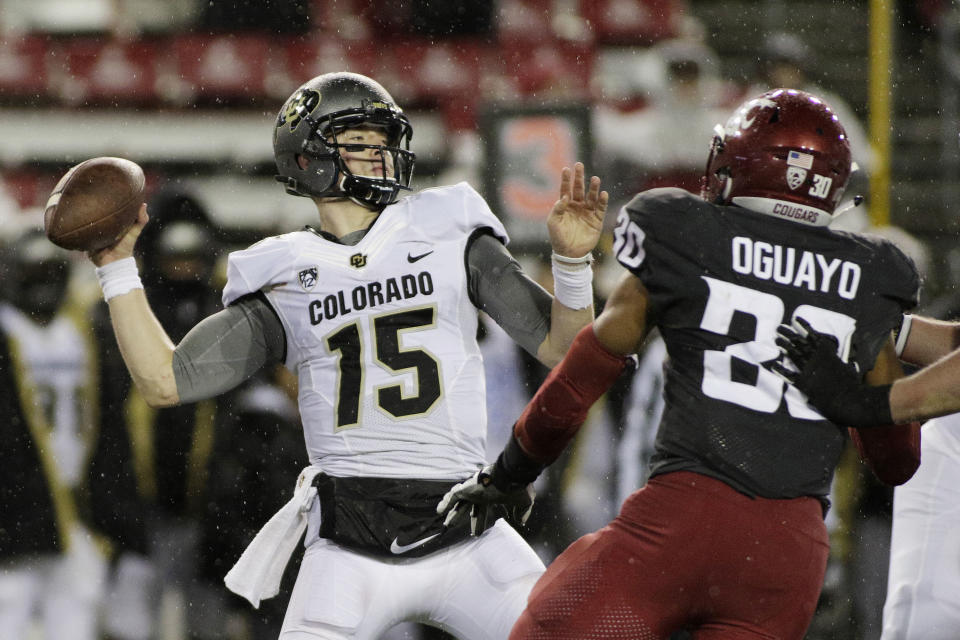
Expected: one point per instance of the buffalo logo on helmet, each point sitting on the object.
(300, 105)
(308, 278)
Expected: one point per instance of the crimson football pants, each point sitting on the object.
(686, 552)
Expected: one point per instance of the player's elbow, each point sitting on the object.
(162, 402)
(901, 467)
(892, 453)
(160, 393)
(896, 466)
(898, 473)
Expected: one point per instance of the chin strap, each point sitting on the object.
(368, 193)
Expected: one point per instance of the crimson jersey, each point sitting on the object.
(720, 280)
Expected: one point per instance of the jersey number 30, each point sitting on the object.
(769, 390)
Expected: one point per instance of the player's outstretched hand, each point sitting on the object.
(798, 343)
(576, 221)
(478, 498)
(809, 361)
(124, 247)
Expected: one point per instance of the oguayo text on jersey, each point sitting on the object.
(796, 267)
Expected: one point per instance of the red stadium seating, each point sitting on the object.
(23, 71)
(638, 22)
(219, 67)
(104, 70)
(306, 57)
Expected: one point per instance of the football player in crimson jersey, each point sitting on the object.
(727, 539)
(376, 311)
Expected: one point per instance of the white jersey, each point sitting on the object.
(54, 372)
(924, 576)
(382, 336)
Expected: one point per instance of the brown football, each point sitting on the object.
(94, 204)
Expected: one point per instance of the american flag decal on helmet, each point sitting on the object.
(802, 160)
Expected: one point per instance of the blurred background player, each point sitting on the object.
(210, 469)
(173, 446)
(257, 455)
(69, 499)
(659, 143)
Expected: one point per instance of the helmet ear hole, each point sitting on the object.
(302, 161)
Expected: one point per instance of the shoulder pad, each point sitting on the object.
(260, 266)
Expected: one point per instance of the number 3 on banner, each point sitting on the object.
(767, 309)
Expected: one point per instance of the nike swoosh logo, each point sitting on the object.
(403, 548)
(411, 258)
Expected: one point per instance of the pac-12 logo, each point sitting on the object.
(300, 105)
(308, 278)
(795, 177)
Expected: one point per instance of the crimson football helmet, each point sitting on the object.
(784, 153)
(307, 152)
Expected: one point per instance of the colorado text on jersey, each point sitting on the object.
(369, 295)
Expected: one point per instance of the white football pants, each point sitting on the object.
(58, 593)
(475, 589)
(923, 587)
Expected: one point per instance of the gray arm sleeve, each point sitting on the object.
(228, 347)
(499, 287)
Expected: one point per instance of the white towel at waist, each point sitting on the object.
(256, 575)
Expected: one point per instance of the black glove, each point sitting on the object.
(502, 489)
(833, 386)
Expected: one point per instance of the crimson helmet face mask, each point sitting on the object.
(784, 153)
(307, 127)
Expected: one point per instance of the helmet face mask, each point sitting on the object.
(784, 153)
(308, 153)
(38, 276)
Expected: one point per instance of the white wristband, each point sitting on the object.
(573, 280)
(119, 277)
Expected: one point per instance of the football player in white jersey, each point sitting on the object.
(924, 576)
(375, 310)
(66, 493)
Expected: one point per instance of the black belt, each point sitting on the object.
(388, 517)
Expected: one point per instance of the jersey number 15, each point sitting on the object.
(389, 354)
